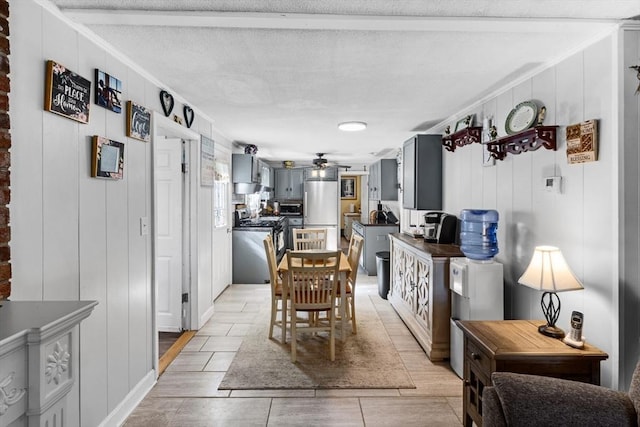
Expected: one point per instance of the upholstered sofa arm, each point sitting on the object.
(530, 400)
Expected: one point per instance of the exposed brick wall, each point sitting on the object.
(5, 157)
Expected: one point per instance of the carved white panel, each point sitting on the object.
(57, 363)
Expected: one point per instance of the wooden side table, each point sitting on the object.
(517, 346)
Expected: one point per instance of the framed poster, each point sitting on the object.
(66, 93)
(348, 188)
(107, 158)
(207, 162)
(108, 92)
(138, 122)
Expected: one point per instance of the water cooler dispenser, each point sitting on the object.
(476, 281)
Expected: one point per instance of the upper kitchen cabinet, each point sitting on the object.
(326, 174)
(245, 173)
(383, 180)
(289, 184)
(244, 168)
(422, 172)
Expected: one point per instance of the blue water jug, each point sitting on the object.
(478, 239)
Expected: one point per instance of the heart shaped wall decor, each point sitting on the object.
(188, 115)
(166, 99)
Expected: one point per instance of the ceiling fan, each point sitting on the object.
(321, 163)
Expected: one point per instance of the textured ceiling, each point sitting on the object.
(282, 74)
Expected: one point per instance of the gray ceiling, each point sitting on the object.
(282, 74)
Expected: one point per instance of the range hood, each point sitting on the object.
(246, 187)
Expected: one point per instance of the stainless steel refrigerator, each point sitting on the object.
(320, 206)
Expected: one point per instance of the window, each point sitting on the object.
(220, 192)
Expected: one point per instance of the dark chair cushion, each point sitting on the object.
(531, 400)
(634, 390)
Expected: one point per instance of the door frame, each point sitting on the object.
(165, 127)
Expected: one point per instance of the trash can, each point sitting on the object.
(382, 267)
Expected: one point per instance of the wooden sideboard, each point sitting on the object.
(419, 290)
(517, 346)
(38, 360)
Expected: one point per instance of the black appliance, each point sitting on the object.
(440, 227)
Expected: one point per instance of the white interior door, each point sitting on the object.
(169, 232)
(221, 259)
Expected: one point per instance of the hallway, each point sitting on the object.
(187, 393)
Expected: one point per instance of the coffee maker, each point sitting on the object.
(440, 227)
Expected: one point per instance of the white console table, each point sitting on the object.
(37, 367)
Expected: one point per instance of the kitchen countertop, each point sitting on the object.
(367, 224)
(435, 249)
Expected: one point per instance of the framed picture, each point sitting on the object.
(66, 93)
(107, 158)
(138, 122)
(464, 123)
(108, 91)
(348, 188)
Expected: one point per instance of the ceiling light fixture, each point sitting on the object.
(352, 126)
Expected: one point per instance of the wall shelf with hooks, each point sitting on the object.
(527, 140)
(462, 137)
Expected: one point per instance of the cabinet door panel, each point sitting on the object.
(423, 285)
(409, 280)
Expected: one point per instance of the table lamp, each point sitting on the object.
(548, 271)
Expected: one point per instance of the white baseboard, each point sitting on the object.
(119, 415)
(205, 316)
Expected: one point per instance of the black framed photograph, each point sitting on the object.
(348, 188)
(67, 93)
(107, 158)
(138, 122)
(108, 91)
(464, 123)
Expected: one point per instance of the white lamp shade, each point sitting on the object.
(548, 271)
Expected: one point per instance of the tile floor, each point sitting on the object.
(187, 393)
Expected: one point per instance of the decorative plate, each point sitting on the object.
(522, 117)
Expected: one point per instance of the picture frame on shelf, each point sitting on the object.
(138, 122)
(108, 91)
(348, 189)
(107, 158)
(487, 135)
(66, 93)
(464, 123)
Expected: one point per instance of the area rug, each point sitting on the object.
(365, 360)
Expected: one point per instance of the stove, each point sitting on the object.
(265, 221)
(249, 258)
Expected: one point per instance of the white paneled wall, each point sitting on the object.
(581, 220)
(76, 237)
(629, 172)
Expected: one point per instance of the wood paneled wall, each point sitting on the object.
(581, 220)
(5, 158)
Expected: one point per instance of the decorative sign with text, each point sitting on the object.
(67, 93)
(138, 122)
(582, 142)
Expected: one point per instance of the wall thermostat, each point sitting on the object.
(553, 184)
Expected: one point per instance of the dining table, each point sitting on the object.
(344, 270)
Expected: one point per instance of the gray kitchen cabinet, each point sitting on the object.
(288, 185)
(326, 174)
(383, 180)
(376, 239)
(422, 172)
(244, 168)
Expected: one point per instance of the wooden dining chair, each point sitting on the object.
(355, 249)
(313, 282)
(353, 255)
(278, 292)
(309, 238)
